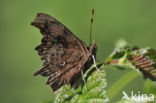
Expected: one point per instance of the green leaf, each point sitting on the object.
(145, 61)
(96, 93)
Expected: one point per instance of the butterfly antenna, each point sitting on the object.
(84, 80)
(91, 26)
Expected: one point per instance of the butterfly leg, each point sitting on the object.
(84, 80)
(95, 64)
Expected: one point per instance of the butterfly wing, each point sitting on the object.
(62, 53)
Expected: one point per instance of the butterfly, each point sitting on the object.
(64, 55)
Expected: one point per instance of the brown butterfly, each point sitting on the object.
(64, 55)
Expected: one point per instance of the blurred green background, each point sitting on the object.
(134, 20)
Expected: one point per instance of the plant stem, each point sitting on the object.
(122, 82)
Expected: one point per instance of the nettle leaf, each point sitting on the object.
(145, 61)
(96, 93)
(120, 53)
(116, 55)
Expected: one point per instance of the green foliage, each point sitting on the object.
(147, 52)
(96, 93)
(150, 87)
(143, 60)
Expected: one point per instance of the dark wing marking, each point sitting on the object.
(62, 53)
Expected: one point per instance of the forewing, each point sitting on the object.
(62, 53)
